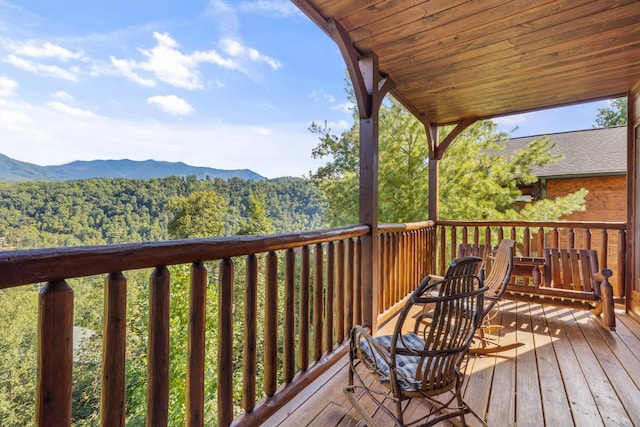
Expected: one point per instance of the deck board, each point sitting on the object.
(569, 372)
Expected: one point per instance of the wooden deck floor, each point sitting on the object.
(568, 372)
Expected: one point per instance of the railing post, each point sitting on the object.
(454, 243)
(540, 241)
(194, 393)
(341, 283)
(526, 242)
(225, 343)
(271, 325)
(158, 349)
(604, 248)
(112, 398)
(571, 238)
(55, 355)
(358, 289)
(621, 270)
(250, 358)
(305, 276)
(289, 356)
(318, 296)
(331, 258)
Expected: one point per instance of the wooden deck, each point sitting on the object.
(568, 372)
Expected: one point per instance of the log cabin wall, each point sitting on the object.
(633, 155)
(607, 198)
(606, 201)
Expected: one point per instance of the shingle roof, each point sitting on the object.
(585, 152)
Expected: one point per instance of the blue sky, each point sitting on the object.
(220, 83)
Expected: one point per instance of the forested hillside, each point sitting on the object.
(116, 210)
(110, 211)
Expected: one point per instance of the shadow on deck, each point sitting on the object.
(569, 372)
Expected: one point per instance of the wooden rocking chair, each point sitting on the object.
(500, 266)
(408, 365)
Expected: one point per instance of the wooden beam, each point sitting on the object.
(351, 58)
(434, 176)
(431, 129)
(446, 142)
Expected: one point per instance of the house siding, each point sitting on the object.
(606, 201)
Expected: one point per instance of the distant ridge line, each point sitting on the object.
(12, 170)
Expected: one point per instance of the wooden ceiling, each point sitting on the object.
(457, 59)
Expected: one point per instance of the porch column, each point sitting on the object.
(632, 294)
(436, 151)
(434, 172)
(369, 88)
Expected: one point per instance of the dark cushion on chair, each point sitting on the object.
(406, 366)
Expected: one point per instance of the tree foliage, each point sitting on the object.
(104, 211)
(200, 214)
(477, 181)
(614, 116)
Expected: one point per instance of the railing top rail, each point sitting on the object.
(412, 226)
(561, 224)
(41, 265)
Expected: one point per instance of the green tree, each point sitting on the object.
(614, 116)
(257, 222)
(200, 214)
(476, 180)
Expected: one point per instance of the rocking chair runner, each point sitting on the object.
(409, 365)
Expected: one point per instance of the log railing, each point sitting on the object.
(313, 277)
(301, 293)
(405, 252)
(607, 238)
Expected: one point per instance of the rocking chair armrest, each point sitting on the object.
(358, 332)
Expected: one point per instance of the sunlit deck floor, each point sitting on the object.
(568, 372)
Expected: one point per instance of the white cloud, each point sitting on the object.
(35, 49)
(62, 95)
(282, 8)
(165, 62)
(7, 86)
(345, 107)
(125, 68)
(320, 94)
(171, 104)
(72, 111)
(42, 69)
(236, 49)
(274, 151)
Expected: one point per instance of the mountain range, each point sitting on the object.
(12, 170)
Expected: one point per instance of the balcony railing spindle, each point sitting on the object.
(158, 349)
(225, 338)
(55, 354)
(289, 358)
(194, 395)
(271, 325)
(112, 397)
(250, 334)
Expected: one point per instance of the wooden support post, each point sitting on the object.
(369, 216)
(55, 355)
(194, 394)
(112, 398)
(158, 349)
(225, 343)
(250, 334)
(270, 325)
